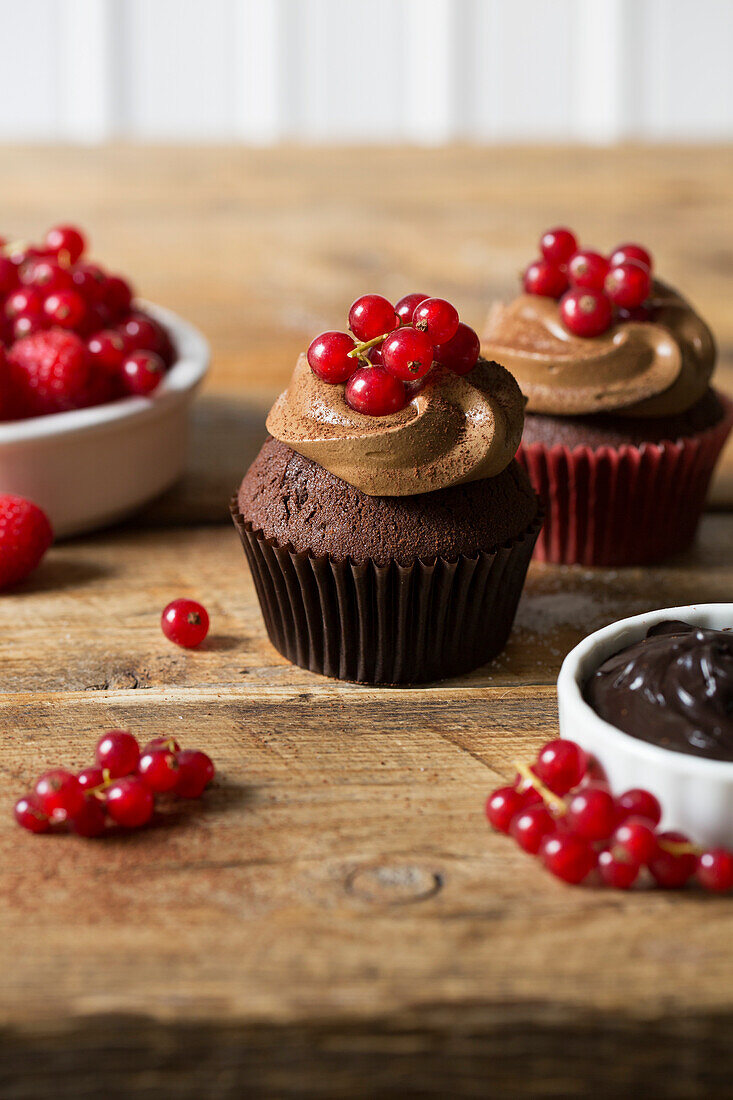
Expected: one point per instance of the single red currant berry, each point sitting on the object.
(117, 295)
(168, 743)
(530, 825)
(328, 357)
(558, 245)
(90, 777)
(143, 333)
(628, 284)
(592, 813)
(106, 351)
(461, 353)
(371, 315)
(185, 622)
(715, 870)
(561, 765)
(159, 770)
(675, 862)
(26, 325)
(65, 308)
(118, 752)
(638, 803)
(26, 301)
(407, 306)
(624, 252)
(618, 872)
(546, 279)
(636, 839)
(29, 815)
(195, 772)
(586, 312)
(47, 276)
(588, 269)
(59, 795)
(375, 392)
(567, 856)
(142, 372)
(91, 820)
(374, 355)
(89, 280)
(437, 318)
(503, 805)
(67, 241)
(129, 802)
(407, 354)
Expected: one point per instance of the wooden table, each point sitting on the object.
(334, 919)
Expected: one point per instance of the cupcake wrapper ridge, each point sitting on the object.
(386, 624)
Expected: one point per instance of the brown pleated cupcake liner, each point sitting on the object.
(626, 505)
(386, 624)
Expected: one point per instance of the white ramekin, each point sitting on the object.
(696, 794)
(89, 467)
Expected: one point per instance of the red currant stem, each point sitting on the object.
(680, 847)
(107, 781)
(551, 799)
(360, 349)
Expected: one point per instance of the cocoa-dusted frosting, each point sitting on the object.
(455, 429)
(644, 369)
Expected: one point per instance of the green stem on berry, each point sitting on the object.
(556, 804)
(680, 847)
(107, 781)
(365, 345)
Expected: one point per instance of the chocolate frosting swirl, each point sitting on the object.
(644, 369)
(454, 429)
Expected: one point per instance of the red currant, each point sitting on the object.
(47, 275)
(168, 743)
(628, 284)
(371, 315)
(642, 314)
(374, 355)
(117, 295)
(185, 622)
(504, 804)
(567, 856)
(8, 276)
(672, 869)
(92, 776)
(67, 241)
(462, 351)
(715, 870)
(159, 770)
(195, 772)
(26, 325)
(142, 372)
(118, 752)
(59, 795)
(437, 318)
(558, 245)
(106, 350)
(407, 306)
(586, 312)
(588, 269)
(143, 333)
(407, 354)
(29, 816)
(624, 252)
(635, 839)
(375, 392)
(620, 873)
(561, 765)
(91, 820)
(65, 308)
(25, 301)
(638, 803)
(592, 813)
(89, 280)
(129, 802)
(546, 279)
(328, 357)
(530, 825)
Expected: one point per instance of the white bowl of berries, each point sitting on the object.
(95, 387)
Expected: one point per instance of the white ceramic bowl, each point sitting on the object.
(89, 467)
(696, 793)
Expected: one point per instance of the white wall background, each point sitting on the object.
(261, 71)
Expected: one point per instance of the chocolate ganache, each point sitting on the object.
(673, 689)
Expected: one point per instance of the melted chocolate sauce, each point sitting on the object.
(673, 689)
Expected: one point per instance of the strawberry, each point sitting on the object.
(25, 536)
(49, 371)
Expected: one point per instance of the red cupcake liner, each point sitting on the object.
(386, 624)
(623, 505)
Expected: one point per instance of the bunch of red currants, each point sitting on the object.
(561, 809)
(594, 290)
(70, 335)
(119, 789)
(392, 349)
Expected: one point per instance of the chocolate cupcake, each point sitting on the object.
(393, 548)
(622, 430)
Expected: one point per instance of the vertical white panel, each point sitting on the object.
(28, 71)
(429, 38)
(261, 70)
(605, 94)
(89, 58)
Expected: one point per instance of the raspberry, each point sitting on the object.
(25, 536)
(49, 371)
